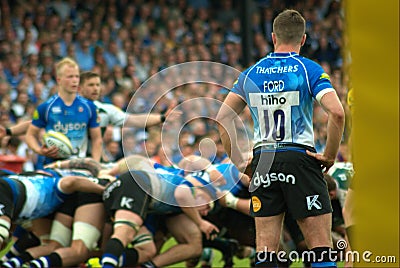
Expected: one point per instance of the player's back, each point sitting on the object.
(279, 90)
(42, 195)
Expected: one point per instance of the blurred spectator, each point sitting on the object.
(126, 42)
(84, 56)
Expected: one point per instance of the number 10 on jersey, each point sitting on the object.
(274, 111)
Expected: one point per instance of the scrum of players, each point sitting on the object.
(81, 212)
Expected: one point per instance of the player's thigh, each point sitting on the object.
(268, 231)
(42, 227)
(61, 229)
(183, 229)
(317, 230)
(92, 214)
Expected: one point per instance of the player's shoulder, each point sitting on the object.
(54, 98)
(105, 106)
(49, 103)
(85, 101)
(308, 63)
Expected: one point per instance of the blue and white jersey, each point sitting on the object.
(74, 121)
(279, 90)
(231, 174)
(160, 169)
(163, 186)
(43, 195)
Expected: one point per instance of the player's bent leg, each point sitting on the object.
(60, 236)
(126, 226)
(144, 244)
(189, 238)
(41, 228)
(88, 221)
(5, 225)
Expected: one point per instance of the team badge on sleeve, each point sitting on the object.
(236, 81)
(325, 76)
(35, 115)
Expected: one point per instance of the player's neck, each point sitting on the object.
(287, 48)
(67, 97)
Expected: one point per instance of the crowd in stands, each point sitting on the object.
(127, 42)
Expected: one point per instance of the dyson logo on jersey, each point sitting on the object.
(274, 86)
(266, 180)
(64, 128)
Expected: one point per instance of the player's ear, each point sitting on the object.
(303, 40)
(273, 38)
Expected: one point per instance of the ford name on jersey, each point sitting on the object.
(64, 128)
(274, 86)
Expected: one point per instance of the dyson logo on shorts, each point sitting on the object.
(266, 180)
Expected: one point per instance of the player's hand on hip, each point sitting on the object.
(326, 162)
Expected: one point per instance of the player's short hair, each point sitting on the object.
(65, 62)
(87, 75)
(289, 26)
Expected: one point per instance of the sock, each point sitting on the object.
(266, 259)
(52, 260)
(350, 232)
(25, 240)
(19, 260)
(112, 252)
(130, 258)
(227, 247)
(322, 258)
(19, 232)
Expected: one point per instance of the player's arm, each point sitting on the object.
(19, 129)
(195, 163)
(143, 120)
(80, 163)
(97, 143)
(152, 119)
(230, 109)
(185, 200)
(71, 184)
(336, 118)
(32, 140)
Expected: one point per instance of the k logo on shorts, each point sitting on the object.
(312, 202)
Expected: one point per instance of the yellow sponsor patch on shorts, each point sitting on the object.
(256, 203)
